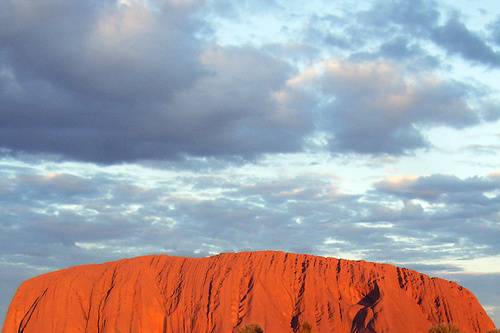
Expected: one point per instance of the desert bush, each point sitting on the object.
(252, 328)
(442, 328)
(306, 328)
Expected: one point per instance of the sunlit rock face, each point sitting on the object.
(220, 294)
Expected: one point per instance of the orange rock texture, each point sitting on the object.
(220, 294)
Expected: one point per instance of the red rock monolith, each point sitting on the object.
(220, 294)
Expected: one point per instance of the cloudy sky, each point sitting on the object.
(362, 130)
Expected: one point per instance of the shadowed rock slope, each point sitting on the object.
(279, 291)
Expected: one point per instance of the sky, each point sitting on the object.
(361, 130)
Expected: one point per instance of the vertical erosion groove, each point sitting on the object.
(26, 318)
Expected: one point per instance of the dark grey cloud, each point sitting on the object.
(416, 21)
(397, 48)
(107, 82)
(102, 51)
(437, 187)
(415, 16)
(402, 49)
(421, 20)
(375, 108)
(387, 30)
(456, 38)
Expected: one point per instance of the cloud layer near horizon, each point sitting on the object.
(438, 224)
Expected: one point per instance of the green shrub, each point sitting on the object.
(306, 328)
(252, 328)
(443, 328)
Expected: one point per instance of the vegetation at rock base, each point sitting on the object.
(252, 328)
(443, 328)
